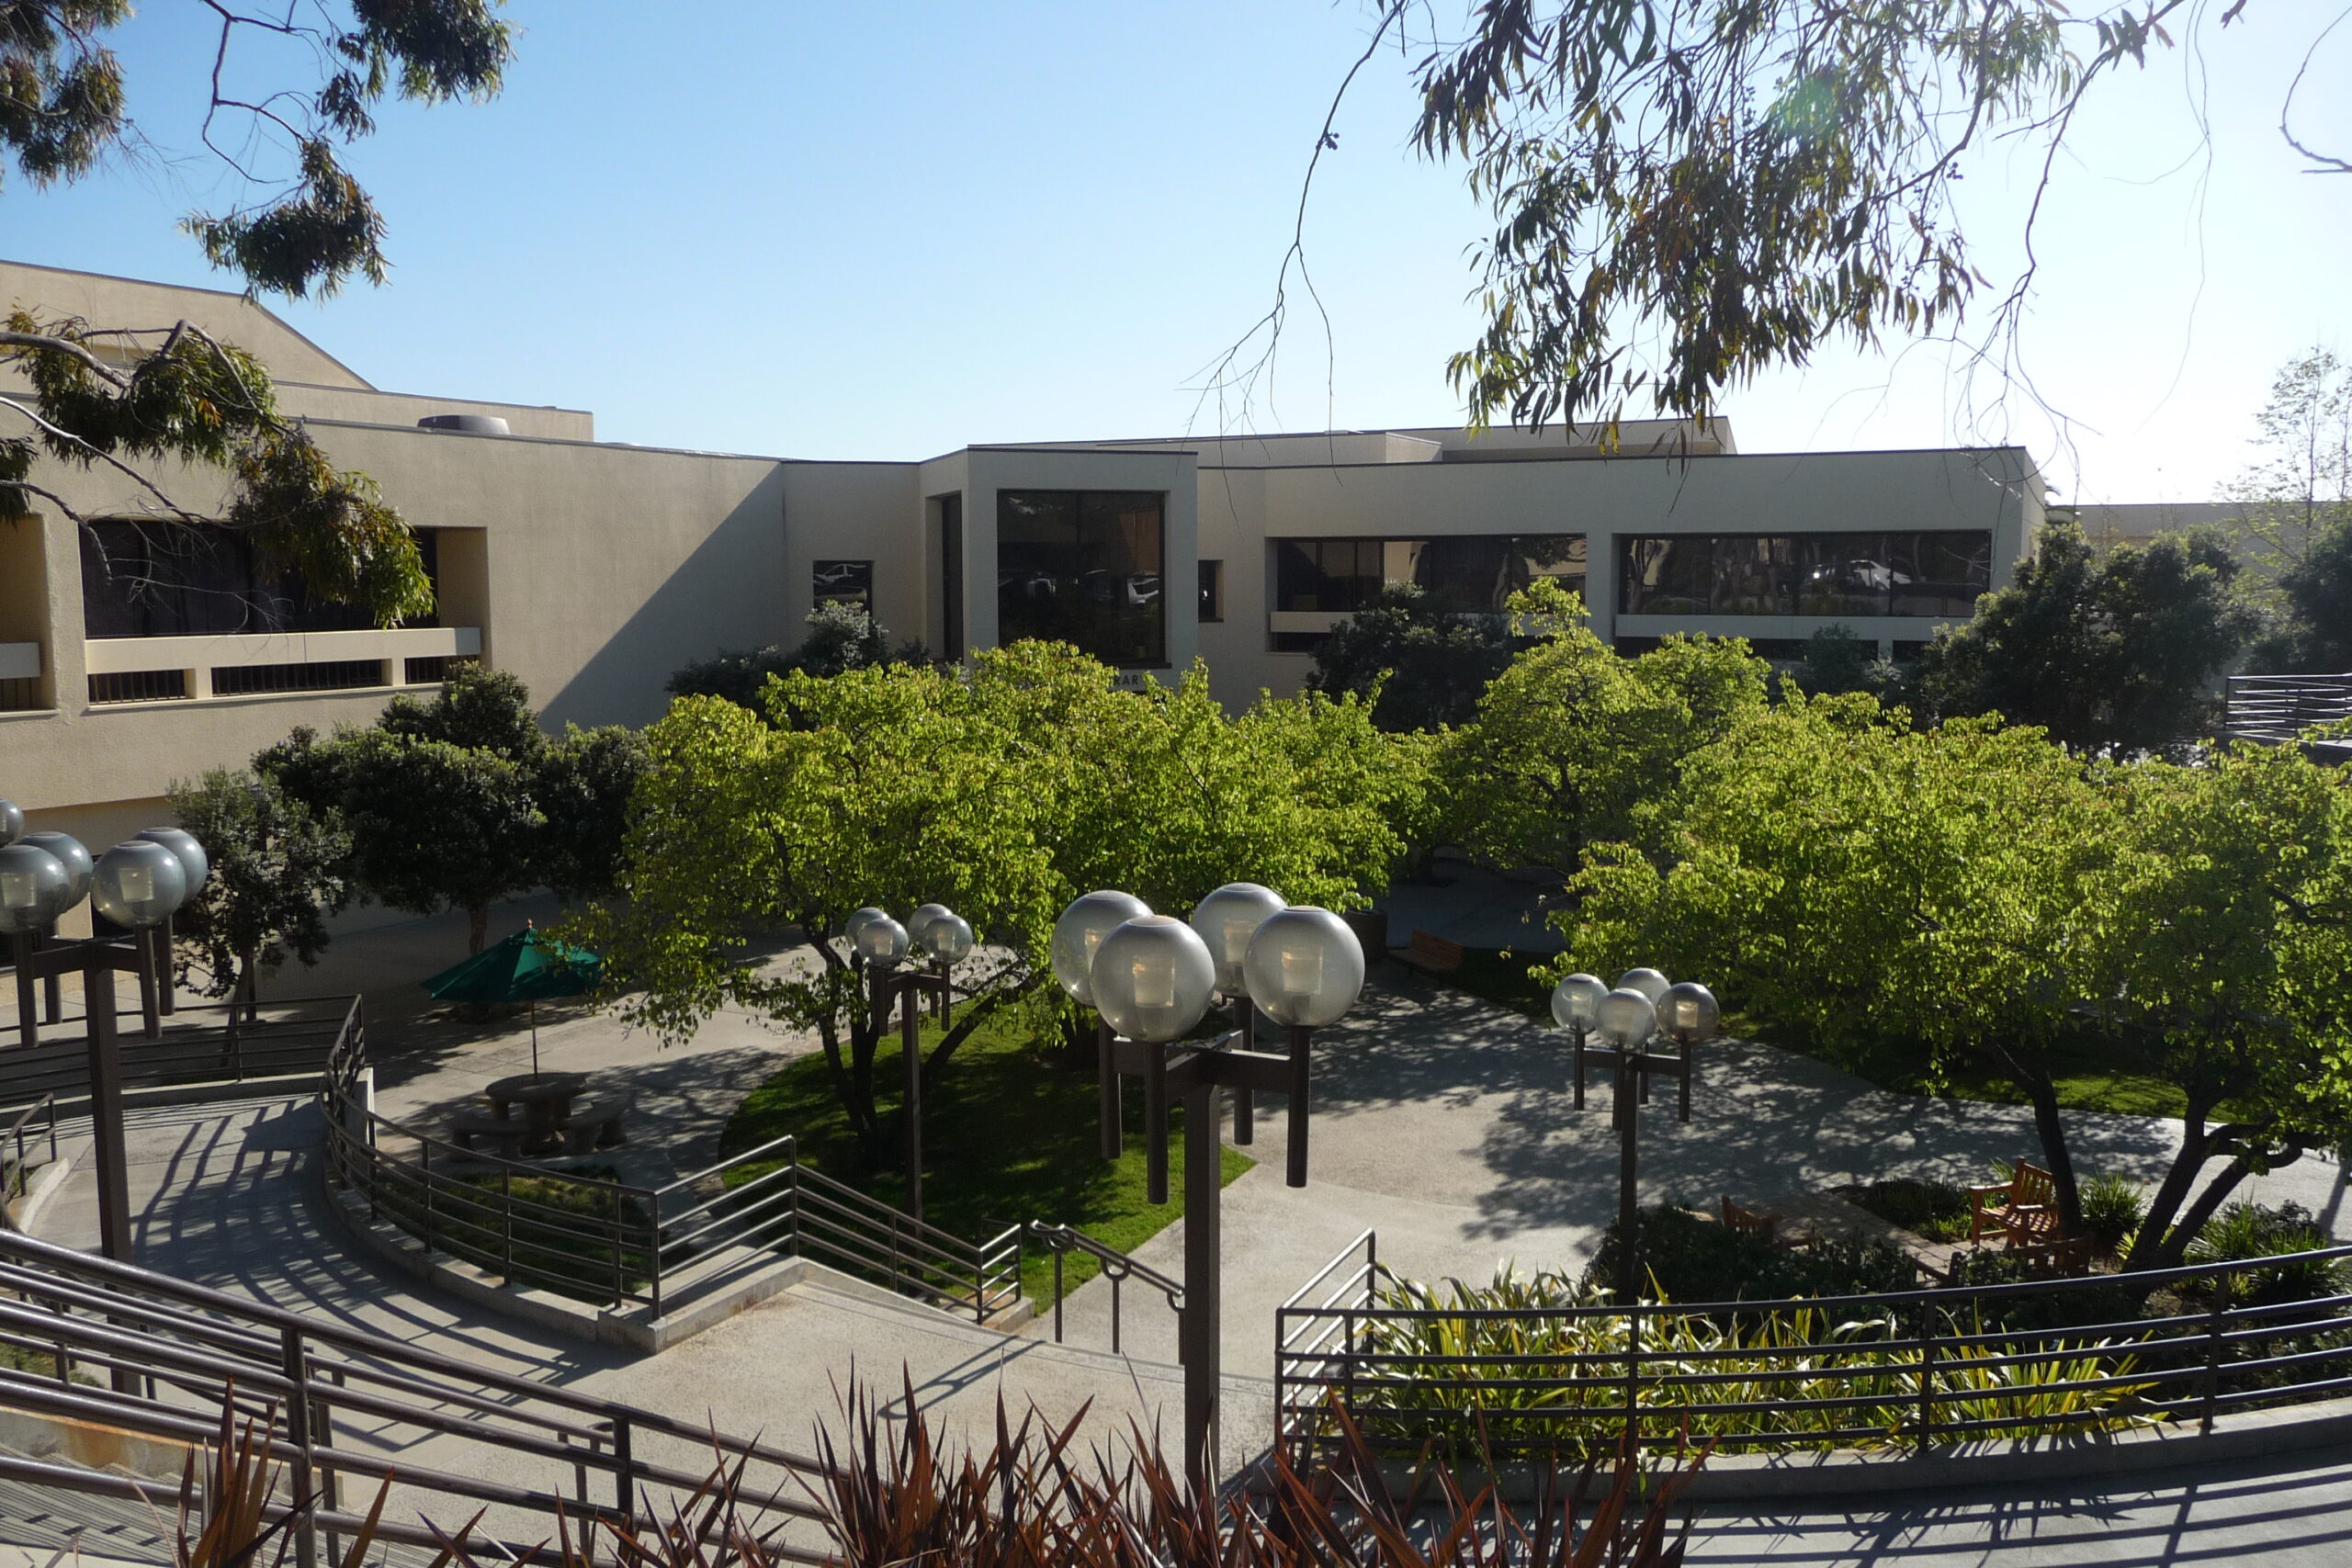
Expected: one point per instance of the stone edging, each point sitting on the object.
(2013, 1464)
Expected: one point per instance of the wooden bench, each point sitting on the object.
(2023, 1210)
(504, 1137)
(1430, 952)
(596, 1124)
(1750, 1222)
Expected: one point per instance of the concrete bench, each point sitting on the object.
(1431, 953)
(596, 1124)
(467, 1128)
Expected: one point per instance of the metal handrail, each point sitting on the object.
(297, 1378)
(17, 1180)
(1116, 1267)
(233, 1052)
(632, 1246)
(1923, 1355)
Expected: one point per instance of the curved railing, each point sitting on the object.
(2101, 1352)
(1115, 1266)
(615, 1243)
(343, 1412)
(205, 1045)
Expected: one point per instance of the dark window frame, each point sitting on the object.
(1212, 605)
(146, 578)
(1093, 588)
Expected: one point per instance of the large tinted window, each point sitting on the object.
(1083, 566)
(1326, 576)
(144, 579)
(1459, 571)
(1805, 574)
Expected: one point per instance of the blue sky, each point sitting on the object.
(886, 230)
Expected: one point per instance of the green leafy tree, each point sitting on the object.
(2118, 655)
(2316, 636)
(477, 709)
(1421, 667)
(841, 637)
(2302, 488)
(583, 785)
(459, 801)
(439, 827)
(1839, 658)
(1689, 192)
(1573, 745)
(1973, 890)
(133, 399)
(1002, 792)
(2224, 942)
(277, 872)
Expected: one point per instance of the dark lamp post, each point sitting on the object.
(1642, 1012)
(883, 946)
(1152, 978)
(136, 885)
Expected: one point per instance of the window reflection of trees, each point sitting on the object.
(1805, 574)
(1084, 567)
(1462, 573)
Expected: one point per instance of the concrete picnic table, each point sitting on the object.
(546, 1099)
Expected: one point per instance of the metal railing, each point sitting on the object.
(2030, 1358)
(2274, 708)
(617, 1244)
(14, 1172)
(343, 1412)
(292, 1039)
(1116, 1267)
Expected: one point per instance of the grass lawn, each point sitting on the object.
(1008, 1135)
(2089, 1077)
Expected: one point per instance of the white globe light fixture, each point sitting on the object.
(81, 869)
(1628, 1017)
(1088, 919)
(193, 861)
(1688, 1014)
(881, 942)
(33, 886)
(858, 921)
(919, 923)
(1649, 982)
(12, 823)
(948, 938)
(1226, 919)
(138, 883)
(1152, 978)
(1304, 967)
(1576, 1003)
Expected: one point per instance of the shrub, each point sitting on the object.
(2250, 1230)
(1935, 1209)
(2112, 1210)
(1691, 1259)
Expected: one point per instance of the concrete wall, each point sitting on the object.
(52, 292)
(1242, 508)
(406, 408)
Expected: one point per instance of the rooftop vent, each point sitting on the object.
(467, 423)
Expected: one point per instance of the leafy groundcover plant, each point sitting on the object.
(1554, 1384)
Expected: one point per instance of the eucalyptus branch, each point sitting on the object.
(94, 454)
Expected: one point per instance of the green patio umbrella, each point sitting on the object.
(526, 967)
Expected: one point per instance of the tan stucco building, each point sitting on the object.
(594, 569)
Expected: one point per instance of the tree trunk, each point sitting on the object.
(477, 927)
(2172, 1250)
(2046, 1122)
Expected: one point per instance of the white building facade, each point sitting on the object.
(595, 569)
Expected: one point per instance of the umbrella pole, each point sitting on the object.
(535, 1037)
